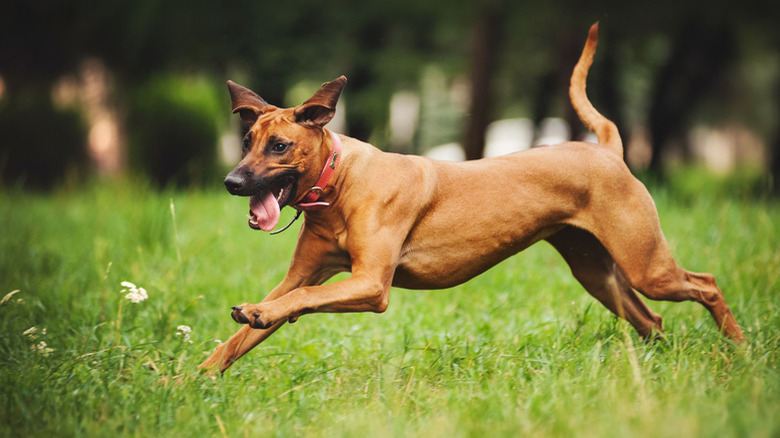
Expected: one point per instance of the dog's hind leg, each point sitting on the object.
(632, 235)
(594, 268)
(663, 279)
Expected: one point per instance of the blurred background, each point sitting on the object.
(94, 89)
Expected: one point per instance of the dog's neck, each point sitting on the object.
(311, 200)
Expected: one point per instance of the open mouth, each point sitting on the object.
(265, 206)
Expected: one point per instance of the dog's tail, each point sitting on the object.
(605, 130)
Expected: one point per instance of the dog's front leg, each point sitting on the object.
(356, 294)
(373, 264)
(239, 344)
(246, 337)
(304, 270)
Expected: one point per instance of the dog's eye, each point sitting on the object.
(247, 143)
(279, 147)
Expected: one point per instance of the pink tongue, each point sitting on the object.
(266, 210)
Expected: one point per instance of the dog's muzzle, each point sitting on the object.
(237, 182)
(266, 197)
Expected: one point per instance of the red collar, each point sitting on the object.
(311, 200)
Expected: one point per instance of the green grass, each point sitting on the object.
(520, 351)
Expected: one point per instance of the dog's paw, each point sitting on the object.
(238, 315)
(248, 314)
(257, 321)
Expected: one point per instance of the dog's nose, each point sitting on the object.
(234, 182)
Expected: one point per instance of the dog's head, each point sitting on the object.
(284, 150)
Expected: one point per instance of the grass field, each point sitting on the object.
(519, 351)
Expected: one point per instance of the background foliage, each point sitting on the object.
(664, 66)
(175, 125)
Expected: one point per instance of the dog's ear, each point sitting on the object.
(321, 107)
(246, 103)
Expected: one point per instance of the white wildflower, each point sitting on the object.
(184, 330)
(31, 333)
(134, 293)
(42, 348)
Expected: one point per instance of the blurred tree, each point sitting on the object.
(486, 36)
(173, 131)
(40, 145)
(702, 52)
(525, 54)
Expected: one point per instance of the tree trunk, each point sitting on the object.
(483, 60)
(774, 165)
(702, 53)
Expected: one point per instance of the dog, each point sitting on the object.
(415, 223)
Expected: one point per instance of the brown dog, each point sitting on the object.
(411, 222)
